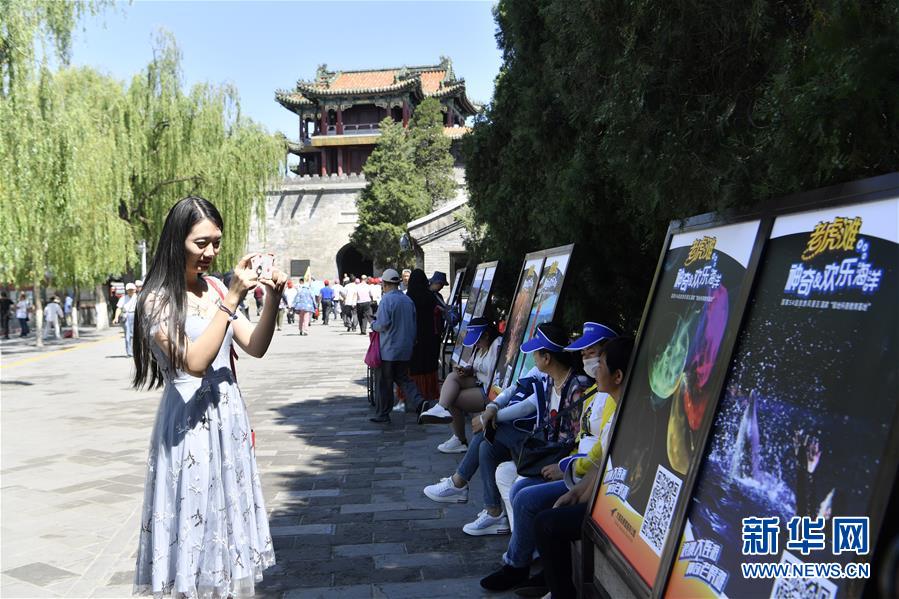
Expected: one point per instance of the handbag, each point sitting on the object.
(536, 453)
(373, 355)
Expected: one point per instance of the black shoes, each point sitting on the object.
(506, 578)
(535, 586)
(380, 419)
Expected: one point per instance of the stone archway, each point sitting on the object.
(351, 261)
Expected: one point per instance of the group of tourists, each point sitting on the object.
(57, 313)
(538, 446)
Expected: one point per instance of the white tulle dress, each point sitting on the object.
(204, 528)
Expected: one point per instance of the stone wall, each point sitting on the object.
(309, 218)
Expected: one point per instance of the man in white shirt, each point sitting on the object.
(52, 314)
(349, 305)
(337, 307)
(126, 307)
(290, 294)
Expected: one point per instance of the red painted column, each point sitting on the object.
(339, 121)
(449, 115)
(324, 159)
(405, 113)
(323, 128)
(339, 160)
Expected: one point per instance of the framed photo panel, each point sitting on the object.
(805, 428)
(480, 305)
(478, 287)
(673, 385)
(759, 425)
(518, 315)
(546, 300)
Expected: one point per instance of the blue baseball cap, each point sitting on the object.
(593, 334)
(475, 329)
(540, 341)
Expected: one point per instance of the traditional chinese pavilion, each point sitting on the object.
(340, 110)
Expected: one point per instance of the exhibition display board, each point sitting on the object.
(537, 295)
(761, 398)
(478, 296)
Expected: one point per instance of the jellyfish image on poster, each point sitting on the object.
(704, 355)
(668, 365)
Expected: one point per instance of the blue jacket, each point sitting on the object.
(396, 323)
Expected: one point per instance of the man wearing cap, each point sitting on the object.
(436, 284)
(126, 306)
(395, 324)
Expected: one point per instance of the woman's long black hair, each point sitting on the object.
(164, 296)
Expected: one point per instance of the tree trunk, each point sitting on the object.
(102, 312)
(38, 315)
(76, 304)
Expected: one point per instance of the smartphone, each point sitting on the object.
(263, 265)
(490, 433)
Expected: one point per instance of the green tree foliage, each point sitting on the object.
(88, 166)
(409, 173)
(27, 25)
(395, 195)
(431, 151)
(194, 143)
(611, 118)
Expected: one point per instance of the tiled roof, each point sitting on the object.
(288, 98)
(455, 132)
(423, 81)
(431, 80)
(364, 79)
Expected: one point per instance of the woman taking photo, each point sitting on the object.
(204, 529)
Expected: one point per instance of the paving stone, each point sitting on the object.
(407, 515)
(416, 560)
(369, 549)
(358, 591)
(302, 529)
(360, 508)
(39, 573)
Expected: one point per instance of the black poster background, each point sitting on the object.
(814, 385)
(670, 431)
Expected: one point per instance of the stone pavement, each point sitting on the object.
(344, 495)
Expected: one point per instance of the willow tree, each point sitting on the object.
(87, 166)
(193, 143)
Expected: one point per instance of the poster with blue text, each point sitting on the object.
(800, 437)
(675, 380)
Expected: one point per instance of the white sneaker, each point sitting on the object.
(485, 524)
(436, 415)
(452, 445)
(447, 492)
(399, 407)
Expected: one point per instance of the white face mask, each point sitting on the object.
(590, 366)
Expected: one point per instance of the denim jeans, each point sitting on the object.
(529, 497)
(487, 456)
(129, 333)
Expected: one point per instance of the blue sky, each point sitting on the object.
(261, 46)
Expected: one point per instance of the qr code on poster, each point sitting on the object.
(801, 588)
(660, 509)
